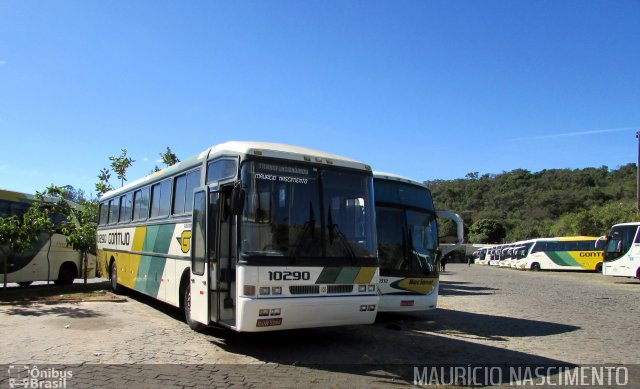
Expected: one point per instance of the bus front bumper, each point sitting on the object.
(305, 312)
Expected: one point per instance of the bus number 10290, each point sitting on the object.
(289, 275)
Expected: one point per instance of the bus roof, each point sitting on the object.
(395, 177)
(234, 148)
(26, 197)
(568, 238)
(627, 224)
(15, 196)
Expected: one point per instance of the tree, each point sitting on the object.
(103, 186)
(46, 215)
(15, 238)
(486, 231)
(18, 234)
(120, 165)
(80, 229)
(169, 158)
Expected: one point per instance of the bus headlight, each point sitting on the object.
(275, 311)
(265, 290)
(362, 288)
(371, 288)
(372, 307)
(263, 312)
(276, 290)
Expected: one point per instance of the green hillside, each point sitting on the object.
(519, 204)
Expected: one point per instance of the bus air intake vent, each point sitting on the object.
(304, 289)
(339, 288)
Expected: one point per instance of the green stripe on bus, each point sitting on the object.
(149, 274)
(562, 258)
(328, 275)
(158, 238)
(347, 275)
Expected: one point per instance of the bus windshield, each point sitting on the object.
(408, 241)
(619, 242)
(305, 214)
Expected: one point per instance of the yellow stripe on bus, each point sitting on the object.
(365, 275)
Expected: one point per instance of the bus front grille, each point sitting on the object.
(339, 288)
(304, 289)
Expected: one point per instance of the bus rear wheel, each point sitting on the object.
(115, 288)
(25, 283)
(67, 274)
(186, 303)
(535, 266)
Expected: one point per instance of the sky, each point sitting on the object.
(425, 89)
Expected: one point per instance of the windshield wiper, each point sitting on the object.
(334, 228)
(309, 225)
(422, 259)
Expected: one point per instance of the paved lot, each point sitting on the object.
(485, 316)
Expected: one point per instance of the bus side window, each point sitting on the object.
(113, 211)
(104, 213)
(160, 198)
(141, 204)
(220, 169)
(125, 208)
(183, 188)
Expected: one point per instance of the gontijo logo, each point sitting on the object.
(185, 241)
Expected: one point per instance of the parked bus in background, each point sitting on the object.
(622, 251)
(407, 244)
(48, 259)
(250, 236)
(484, 254)
(563, 253)
(520, 251)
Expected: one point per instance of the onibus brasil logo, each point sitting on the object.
(24, 376)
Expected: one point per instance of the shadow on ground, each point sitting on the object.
(48, 310)
(451, 288)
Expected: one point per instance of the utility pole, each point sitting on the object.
(638, 173)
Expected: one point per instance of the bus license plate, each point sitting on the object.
(276, 321)
(406, 303)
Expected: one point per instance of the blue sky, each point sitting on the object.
(425, 89)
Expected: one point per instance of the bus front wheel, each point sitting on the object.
(599, 267)
(25, 283)
(186, 303)
(535, 266)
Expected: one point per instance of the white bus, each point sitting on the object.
(407, 244)
(250, 236)
(48, 259)
(622, 251)
(563, 253)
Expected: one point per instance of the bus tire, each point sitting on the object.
(186, 303)
(535, 266)
(113, 275)
(67, 274)
(25, 283)
(599, 267)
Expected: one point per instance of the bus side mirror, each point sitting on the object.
(237, 200)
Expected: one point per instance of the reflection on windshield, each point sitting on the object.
(407, 241)
(283, 215)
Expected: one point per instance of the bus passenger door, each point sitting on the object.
(198, 310)
(226, 274)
